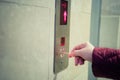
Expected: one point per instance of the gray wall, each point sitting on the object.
(27, 39)
(24, 39)
(109, 31)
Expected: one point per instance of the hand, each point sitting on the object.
(82, 52)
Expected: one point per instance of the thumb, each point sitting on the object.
(70, 55)
(74, 53)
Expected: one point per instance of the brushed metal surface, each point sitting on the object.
(60, 55)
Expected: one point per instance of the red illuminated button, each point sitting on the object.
(62, 41)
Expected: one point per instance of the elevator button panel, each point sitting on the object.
(62, 28)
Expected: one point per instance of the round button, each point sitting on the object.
(61, 55)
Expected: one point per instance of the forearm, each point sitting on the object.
(106, 63)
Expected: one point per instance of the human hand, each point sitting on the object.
(82, 52)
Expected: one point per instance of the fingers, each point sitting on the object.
(71, 55)
(80, 46)
(79, 61)
(75, 53)
(81, 53)
(76, 61)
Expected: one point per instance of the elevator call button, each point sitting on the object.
(62, 41)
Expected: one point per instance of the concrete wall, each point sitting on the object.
(25, 30)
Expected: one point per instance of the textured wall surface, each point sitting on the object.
(24, 40)
(109, 31)
(27, 39)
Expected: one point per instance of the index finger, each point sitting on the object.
(80, 46)
(71, 55)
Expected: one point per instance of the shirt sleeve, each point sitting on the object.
(106, 63)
